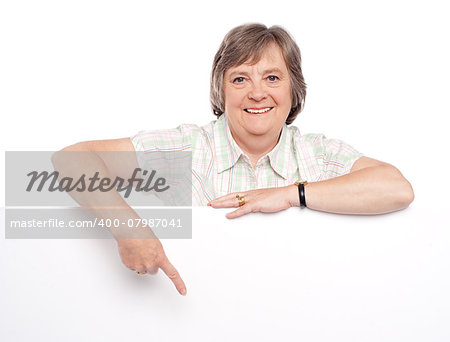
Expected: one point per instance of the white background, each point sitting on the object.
(377, 76)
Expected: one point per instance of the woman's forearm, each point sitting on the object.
(74, 163)
(372, 190)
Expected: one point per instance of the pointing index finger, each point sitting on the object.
(173, 275)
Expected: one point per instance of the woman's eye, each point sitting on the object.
(272, 78)
(238, 80)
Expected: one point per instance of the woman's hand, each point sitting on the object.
(268, 200)
(147, 256)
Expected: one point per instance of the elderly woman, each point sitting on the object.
(250, 158)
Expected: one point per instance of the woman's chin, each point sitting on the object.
(258, 130)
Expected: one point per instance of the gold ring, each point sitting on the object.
(140, 272)
(241, 200)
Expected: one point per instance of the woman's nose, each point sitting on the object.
(257, 92)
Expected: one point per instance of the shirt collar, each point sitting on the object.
(228, 152)
(279, 156)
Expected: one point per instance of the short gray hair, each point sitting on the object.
(246, 43)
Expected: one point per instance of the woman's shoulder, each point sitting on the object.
(184, 135)
(309, 139)
(334, 156)
(317, 141)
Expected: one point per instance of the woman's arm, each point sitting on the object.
(371, 187)
(110, 160)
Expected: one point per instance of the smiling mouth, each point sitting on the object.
(257, 111)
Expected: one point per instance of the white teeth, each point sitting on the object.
(258, 111)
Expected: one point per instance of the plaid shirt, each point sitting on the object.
(219, 166)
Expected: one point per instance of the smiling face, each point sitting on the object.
(258, 97)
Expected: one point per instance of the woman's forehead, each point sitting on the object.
(271, 59)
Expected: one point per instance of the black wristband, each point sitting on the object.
(301, 194)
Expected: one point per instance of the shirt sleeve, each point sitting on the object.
(179, 138)
(168, 152)
(334, 157)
